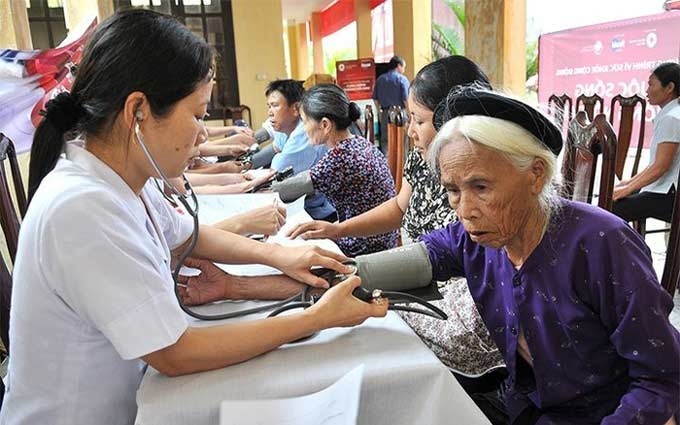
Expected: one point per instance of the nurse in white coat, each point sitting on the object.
(93, 300)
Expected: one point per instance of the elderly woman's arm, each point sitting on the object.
(635, 308)
(445, 248)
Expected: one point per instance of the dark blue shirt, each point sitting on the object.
(391, 89)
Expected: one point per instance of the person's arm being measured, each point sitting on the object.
(206, 348)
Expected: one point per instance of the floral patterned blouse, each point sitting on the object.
(428, 209)
(355, 177)
(462, 342)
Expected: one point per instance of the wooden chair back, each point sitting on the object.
(8, 214)
(626, 108)
(588, 103)
(585, 142)
(369, 130)
(559, 107)
(670, 279)
(396, 139)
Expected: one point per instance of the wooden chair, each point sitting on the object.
(396, 139)
(8, 215)
(627, 106)
(7, 151)
(585, 142)
(670, 279)
(5, 297)
(369, 130)
(558, 106)
(588, 103)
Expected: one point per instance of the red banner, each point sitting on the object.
(340, 14)
(608, 59)
(30, 78)
(357, 77)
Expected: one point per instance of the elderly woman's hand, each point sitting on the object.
(209, 286)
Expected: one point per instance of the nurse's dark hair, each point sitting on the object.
(435, 80)
(330, 101)
(667, 73)
(133, 50)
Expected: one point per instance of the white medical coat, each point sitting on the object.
(92, 293)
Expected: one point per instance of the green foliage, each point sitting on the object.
(458, 8)
(446, 41)
(532, 58)
(339, 55)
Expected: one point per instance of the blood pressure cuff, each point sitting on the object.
(263, 158)
(404, 269)
(294, 187)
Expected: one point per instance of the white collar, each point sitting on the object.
(670, 105)
(76, 153)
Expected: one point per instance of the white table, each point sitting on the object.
(404, 382)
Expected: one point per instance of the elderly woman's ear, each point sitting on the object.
(538, 174)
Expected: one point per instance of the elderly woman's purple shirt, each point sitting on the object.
(593, 313)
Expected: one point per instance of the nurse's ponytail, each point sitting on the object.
(62, 115)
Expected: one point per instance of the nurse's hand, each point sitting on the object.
(339, 308)
(296, 262)
(209, 286)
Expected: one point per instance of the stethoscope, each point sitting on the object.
(301, 300)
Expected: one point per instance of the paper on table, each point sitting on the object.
(336, 405)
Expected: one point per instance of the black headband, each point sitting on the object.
(473, 101)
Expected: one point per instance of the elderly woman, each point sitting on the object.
(567, 289)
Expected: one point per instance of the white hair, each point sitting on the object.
(515, 143)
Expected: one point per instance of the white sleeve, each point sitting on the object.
(107, 269)
(668, 130)
(176, 224)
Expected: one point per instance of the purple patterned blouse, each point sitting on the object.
(593, 314)
(355, 177)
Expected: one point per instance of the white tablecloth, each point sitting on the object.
(404, 382)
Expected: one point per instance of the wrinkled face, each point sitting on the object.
(657, 94)
(173, 139)
(314, 129)
(491, 198)
(420, 128)
(283, 117)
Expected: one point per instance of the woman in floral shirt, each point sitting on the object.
(353, 175)
(462, 342)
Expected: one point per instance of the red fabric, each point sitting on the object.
(340, 14)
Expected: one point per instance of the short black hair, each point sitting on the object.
(396, 61)
(667, 73)
(292, 90)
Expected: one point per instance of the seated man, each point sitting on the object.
(291, 144)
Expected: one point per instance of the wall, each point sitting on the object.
(258, 27)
